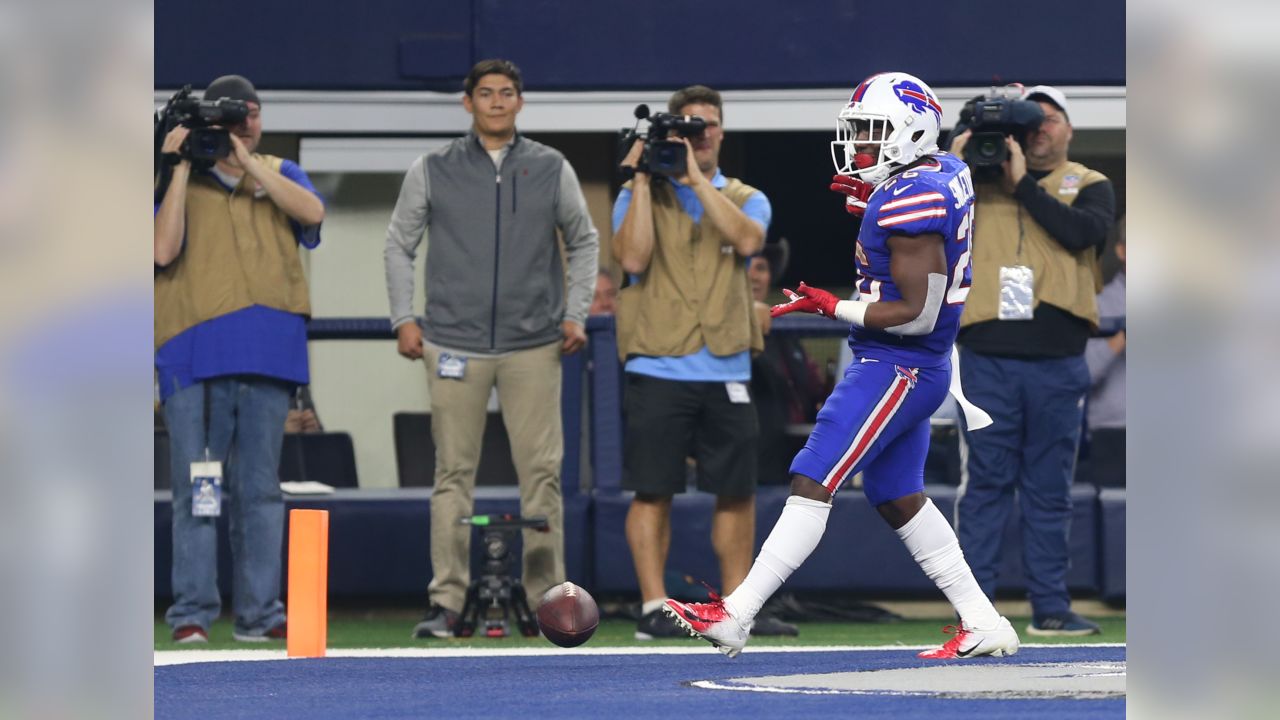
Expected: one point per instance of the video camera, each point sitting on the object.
(993, 117)
(660, 157)
(206, 143)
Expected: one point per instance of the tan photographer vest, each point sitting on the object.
(1064, 279)
(239, 251)
(695, 291)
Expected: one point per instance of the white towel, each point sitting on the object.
(975, 418)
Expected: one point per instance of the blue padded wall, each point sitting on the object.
(1112, 505)
(592, 45)
(383, 546)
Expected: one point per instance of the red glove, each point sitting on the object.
(807, 299)
(856, 192)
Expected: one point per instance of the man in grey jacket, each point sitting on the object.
(496, 314)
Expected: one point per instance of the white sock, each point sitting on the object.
(791, 541)
(650, 606)
(934, 546)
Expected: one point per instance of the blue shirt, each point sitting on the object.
(702, 365)
(256, 340)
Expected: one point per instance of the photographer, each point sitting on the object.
(231, 307)
(1041, 223)
(686, 330)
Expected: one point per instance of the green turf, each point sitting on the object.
(386, 629)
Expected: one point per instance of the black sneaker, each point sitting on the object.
(767, 625)
(1067, 623)
(439, 622)
(657, 625)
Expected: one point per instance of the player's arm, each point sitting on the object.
(918, 264)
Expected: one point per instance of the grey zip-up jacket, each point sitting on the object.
(495, 278)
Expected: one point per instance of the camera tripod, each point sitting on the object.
(495, 596)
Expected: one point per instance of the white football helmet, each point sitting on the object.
(901, 119)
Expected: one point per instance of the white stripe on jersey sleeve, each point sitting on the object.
(913, 200)
(911, 216)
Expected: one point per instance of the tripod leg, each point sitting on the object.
(519, 600)
(470, 612)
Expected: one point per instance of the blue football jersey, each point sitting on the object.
(935, 196)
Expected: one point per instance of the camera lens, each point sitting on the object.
(988, 149)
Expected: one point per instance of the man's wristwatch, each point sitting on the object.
(171, 158)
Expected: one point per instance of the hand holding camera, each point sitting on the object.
(172, 147)
(1015, 165)
(692, 175)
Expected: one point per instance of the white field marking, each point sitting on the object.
(183, 657)
(713, 685)
(1029, 680)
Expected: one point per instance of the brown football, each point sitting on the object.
(568, 615)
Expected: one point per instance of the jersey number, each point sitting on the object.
(959, 289)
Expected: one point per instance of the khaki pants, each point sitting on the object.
(528, 384)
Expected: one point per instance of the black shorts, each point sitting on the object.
(671, 420)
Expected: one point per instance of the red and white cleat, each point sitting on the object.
(967, 642)
(710, 621)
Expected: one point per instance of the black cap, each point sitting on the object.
(779, 255)
(235, 87)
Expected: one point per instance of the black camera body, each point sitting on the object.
(661, 156)
(205, 143)
(992, 118)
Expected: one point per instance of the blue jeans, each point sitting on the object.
(1036, 406)
(246, 431)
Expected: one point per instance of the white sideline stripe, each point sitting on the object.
(184, 657)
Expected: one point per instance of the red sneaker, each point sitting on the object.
(279, 632)
(710, 621)
(967, 642)
(190, 634)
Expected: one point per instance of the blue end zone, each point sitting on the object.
(587, 686)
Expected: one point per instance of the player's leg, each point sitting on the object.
(660, 418)
(894, 484)
(529, 393)
(848, 428)
(457, 428)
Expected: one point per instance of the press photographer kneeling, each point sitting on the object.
(1041, 222)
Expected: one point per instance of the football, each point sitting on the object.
(568, 615)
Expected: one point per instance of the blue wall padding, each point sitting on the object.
(1112, 508)
(383, 547)
(589, 45)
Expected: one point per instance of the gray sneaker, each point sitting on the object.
(439, 622)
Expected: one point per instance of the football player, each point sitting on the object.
(912, 258)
